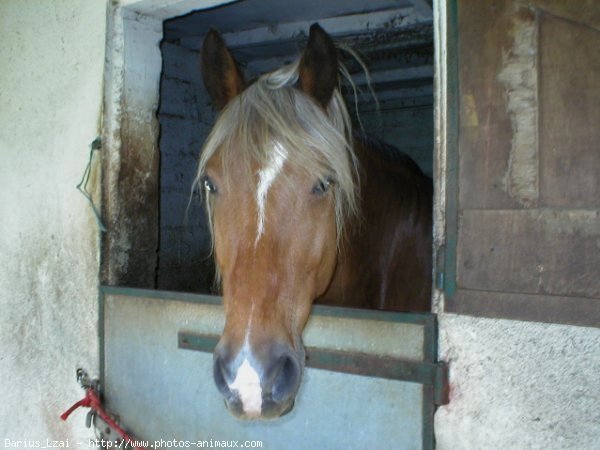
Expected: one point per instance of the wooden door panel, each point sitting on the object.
(528, 155)
(569, 113)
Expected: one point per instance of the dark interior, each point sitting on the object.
(394, 38)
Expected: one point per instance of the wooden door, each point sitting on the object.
(523, 236)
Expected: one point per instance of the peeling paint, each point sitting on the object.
(441, 148)
(519, 78)
(468, 113)
(131, 158)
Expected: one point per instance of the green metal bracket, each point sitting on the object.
(452, 158)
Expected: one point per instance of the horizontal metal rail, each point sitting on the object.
(434, 374)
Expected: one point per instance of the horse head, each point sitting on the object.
(279, 175)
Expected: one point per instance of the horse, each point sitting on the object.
(301, 209)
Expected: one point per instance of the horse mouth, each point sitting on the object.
(269, 411)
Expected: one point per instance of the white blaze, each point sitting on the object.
(266, 177)
(247, 385)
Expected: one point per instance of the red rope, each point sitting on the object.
(91, 400)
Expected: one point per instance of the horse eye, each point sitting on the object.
(322, 186)
(208, 185)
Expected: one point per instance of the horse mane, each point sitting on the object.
(413, 186)
(273, 113)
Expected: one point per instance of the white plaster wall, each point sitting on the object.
(519, 385)
(52, 59)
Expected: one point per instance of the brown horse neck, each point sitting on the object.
(385, 261)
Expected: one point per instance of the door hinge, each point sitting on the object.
(441, 387)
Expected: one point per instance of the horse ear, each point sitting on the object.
(318, 71)
(222, 77)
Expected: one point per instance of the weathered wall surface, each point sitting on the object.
(52, 59)
(518, 385)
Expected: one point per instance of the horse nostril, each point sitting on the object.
(221, 374)
(287, 379)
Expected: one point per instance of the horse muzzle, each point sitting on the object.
(258, 384)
